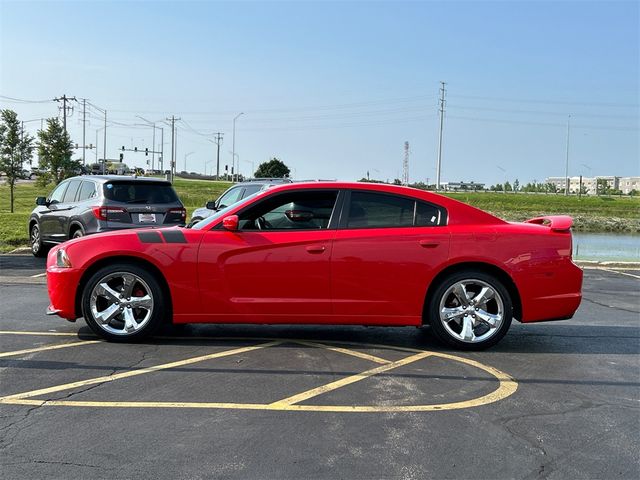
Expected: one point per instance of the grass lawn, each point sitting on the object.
(597, 214)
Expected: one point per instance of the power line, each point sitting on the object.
(64, 99)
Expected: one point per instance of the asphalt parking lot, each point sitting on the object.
(555, 400)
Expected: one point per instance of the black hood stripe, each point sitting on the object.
(174, 236)
(149, 237)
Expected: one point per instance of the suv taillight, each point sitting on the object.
(101, 213)
(180, 211)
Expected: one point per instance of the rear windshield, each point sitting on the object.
(140, 192)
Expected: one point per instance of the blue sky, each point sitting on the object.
(335, 88)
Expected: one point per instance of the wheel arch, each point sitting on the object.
(73, 226)
(488, 268)
(140, 262)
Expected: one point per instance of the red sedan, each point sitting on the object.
(325, 253)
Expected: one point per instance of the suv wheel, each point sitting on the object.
(78, 233)
(37, 247)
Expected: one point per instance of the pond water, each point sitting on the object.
(606, 247)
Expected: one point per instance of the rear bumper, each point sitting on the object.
(62, 285)
(551, 295)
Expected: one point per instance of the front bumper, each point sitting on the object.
(62, 285)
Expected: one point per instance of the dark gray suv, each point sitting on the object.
(99, 203)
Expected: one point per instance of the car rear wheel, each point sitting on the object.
(38, 249)
(470, 310)
(123, 302)
(78, 233)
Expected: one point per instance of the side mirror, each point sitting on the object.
(230, 223)
(211, 205)
(41, 201)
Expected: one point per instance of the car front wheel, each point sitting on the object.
(123, 302)
(470, 310)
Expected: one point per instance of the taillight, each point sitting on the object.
(101, 213)
(180, 211)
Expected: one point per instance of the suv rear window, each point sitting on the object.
(140, 192)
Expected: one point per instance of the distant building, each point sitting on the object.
(625, 184)
(464, 186)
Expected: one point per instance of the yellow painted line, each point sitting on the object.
(47, 347)
(346, 351)
(507, 386)
(45, 334)
(133, 373)
(348, 380)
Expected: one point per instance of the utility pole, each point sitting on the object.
(439, 165)
(84, 125)
(64, 99)
(173, 144)
(233, 148)
(566, 168)
(104, 143)
(218, 140)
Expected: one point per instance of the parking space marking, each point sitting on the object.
(507, 384)
(47, 347)
(37, 275)
(45, 334)
(133, 373)
(346, 351)
(314, 392)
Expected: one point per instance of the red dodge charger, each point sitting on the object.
(325, 253)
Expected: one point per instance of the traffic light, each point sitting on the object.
(123, 148)
(146, 152)
(135, 149)
(121, 157)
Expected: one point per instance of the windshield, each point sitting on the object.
(203, 224)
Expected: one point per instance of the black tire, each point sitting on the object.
(38, 248)
(500, 302)
(149, 283)
(77, 233)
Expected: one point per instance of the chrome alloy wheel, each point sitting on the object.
(35, 239)
(121, 303)
(471, 311)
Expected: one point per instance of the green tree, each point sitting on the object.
(507, 187)
(15, 148)
(55, 149)
(274, 168)
(516, 185)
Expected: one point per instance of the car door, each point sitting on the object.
(49, 223)
(276, 266)
(383, 257)
(64, 211)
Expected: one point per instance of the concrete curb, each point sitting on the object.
(19, 251)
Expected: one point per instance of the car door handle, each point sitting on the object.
(428, 243)
(316, 248)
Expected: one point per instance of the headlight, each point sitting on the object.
(62, 259)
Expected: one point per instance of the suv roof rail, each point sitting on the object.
(268, 179)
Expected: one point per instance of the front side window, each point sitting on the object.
(305, 210)
(229, 198)
(58, 193)
(72, 189)
(381, 210)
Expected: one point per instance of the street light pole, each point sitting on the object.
(566, 168)
(185, 160)
(233, 147)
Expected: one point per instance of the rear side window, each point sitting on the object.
(140, 192)
(251, 189)
(87, 191)
(380, 210)
(58, 193)
(374, 210)
(72, 189)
